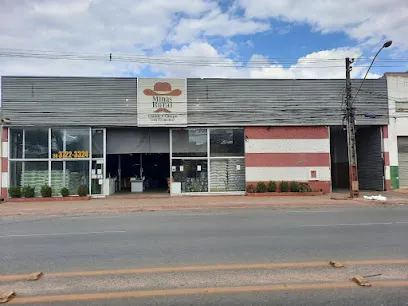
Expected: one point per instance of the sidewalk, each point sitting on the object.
(124, 204)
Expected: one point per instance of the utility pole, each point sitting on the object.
(351, 133)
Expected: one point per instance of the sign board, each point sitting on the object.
(161, 102)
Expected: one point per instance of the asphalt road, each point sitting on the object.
(219, 237)
(356, 296)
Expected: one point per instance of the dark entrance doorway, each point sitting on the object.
(153, 169)
(370, 162)
(156, 169)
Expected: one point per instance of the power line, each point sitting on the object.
(268, 63)
(189, 56)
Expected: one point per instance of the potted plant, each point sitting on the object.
(305, 188)
(28, 192)
(272, 186)
(284, 186)
(15, 192)
(82, 191)
(261, 187)
(46, 191)
(294, 187)
(251, 189)
(65, 192)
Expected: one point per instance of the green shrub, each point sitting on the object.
(82, 191)
(28, 192)
(284, 186)
(251, 189)
(46, 191)
(305, 188)
(272, 186)
(294, 187)
(15, 192)
(261, 187)
(65, 192)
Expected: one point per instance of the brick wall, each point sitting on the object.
(4, 162)
(299, 154)
(386, 154)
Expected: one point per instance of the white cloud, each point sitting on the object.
(46, 67)
(93, 25)
(215, 23)
(370, 20)
(202, 54)
(103, 26)
(146, 26)
(373, 76)
(56, 9)
(316, 65)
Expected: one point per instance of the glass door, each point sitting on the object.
(97, 177)
(98, 149)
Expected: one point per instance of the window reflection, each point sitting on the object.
(189, 143)
(36, 143)
(227, 142)
(77, 140)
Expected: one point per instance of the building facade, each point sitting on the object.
(398, 128)
(199, 136)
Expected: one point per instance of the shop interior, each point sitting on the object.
(139, 172)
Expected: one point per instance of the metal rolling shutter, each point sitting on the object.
(137, 140)
(403, 161)
(369, 158)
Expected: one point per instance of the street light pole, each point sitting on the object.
(351, 123)
(351, 134)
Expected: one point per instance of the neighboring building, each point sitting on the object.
(398, 128)
(208, 135)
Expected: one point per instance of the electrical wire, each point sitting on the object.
(265, 62)
(34, 51)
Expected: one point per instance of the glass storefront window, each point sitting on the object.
(223, 159)
(57, 177)
(29, 173)
(35, 174)
(15, 171)
(57, 141)
(36, 143)
(227, 142)
(76, 174)
(77, 140)
(192, 174)
(189, 143)
(227, 175)
(70, 170)
(16, 143)
(97, 143)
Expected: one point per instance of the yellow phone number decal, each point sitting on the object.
(71, 154)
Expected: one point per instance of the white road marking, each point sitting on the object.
(61, 234)
(312, 211)
(354, 224)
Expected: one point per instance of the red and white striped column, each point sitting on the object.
(300, 154)
(386, 156)
(4, 162)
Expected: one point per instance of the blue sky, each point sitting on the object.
(230, 38)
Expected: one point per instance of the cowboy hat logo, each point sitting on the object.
(162, 89)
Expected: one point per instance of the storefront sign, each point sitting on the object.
(161, 102)
(71, 154)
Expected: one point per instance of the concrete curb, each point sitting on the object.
(113, 210)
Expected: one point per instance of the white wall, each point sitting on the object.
(398, 126)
